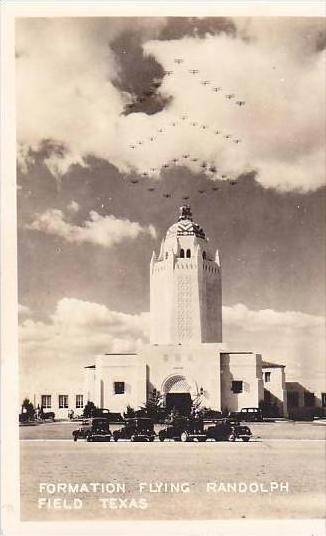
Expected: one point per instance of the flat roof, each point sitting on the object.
(268, 364)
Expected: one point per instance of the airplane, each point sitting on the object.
(184, 117)
(151, 138)
(132, 146)
(193, 71)
(204, 165)
(195, 159)
(168, 72)
(145, 174)
(224, 176)
(237, 141)
(166, 165)
(140, 143)
(178, 60)
(228, 136)
(240, 102)
(230, 96)
(215, 188)
(212, 169)
(173, 124)
(194, 124)
(167, 195)
(175, 160)
(204, 127)
(134, 181)
(201, 191)
(216, 89)
(151, 189)
(233, 183)
(217, 132)
(185, 197)
(185, 156)
(161, 130)
(205, 82)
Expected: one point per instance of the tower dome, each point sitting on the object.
(185, 282)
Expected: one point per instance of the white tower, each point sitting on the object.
(185, 287)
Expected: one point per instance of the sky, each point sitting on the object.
(119, 122)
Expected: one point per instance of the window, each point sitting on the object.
(204, 255)
(267, 377)
(63, 401)
(182, 253)
(323, 400)
(237, 387)
(79, 401)
(293, 399)
(308, 399)
(188, 254)
(46, 401)
(119, 388)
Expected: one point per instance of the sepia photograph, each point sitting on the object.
(170, 212)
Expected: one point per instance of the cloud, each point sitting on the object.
(73, 206)
(56, 351)
(106, 231)
(23, 310)
(291, 338)
(65, 74)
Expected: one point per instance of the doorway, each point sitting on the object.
(179, 401)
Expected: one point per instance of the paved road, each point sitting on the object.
(300, 463)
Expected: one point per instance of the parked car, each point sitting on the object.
(228, 430)
(136, 429)
(251, 415)
(183, 429)
(97, 430)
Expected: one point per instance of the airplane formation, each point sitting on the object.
(210, 170)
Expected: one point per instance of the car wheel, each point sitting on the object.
(184, 437)
(161, 436)
(246, 439)
(89, 439)
(151, 439)
(75, 438)
(115, 436)
(202, 439)
(231, 437)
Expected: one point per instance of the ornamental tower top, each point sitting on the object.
(185, 280)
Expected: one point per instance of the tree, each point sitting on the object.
(28, 409)
(89, 410)
(129, 413)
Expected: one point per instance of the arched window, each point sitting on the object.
(204, 255)
(182, 253)
(188, 253)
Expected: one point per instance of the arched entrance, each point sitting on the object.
(177, 390)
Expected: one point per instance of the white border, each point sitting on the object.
(9, 345)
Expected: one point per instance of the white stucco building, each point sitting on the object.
(186, 357)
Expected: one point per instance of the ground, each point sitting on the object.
(292, 453)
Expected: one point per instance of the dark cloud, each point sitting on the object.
(178, 27)
(139, 75)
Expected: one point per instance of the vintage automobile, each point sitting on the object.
(97, 430)
(136, 429)
(181, 428)
(251, 415)
(228, 430)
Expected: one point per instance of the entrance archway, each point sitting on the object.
(177, 390)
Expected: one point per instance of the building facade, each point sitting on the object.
(186, 358)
